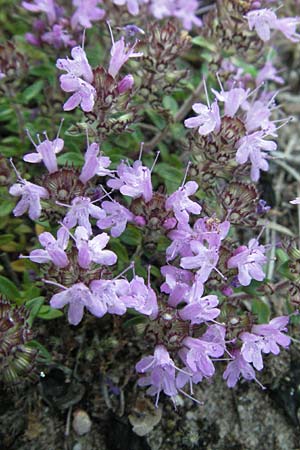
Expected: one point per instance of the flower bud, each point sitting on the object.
(125, 84)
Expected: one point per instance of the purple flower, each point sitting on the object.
(133, 181)
(287, 26)
(79, 66)
(162, 8)
(248, 261)
(272, 334)
(116, 218)
(78, 80)
(84, 93)
(58, 37)
(268, 72)
(92, 250)
(79, 213)
(160, 370)
(208, 118)
(252, 348)
(177, 285)
(186, 11)
(132, 5)
(126, 84)
(86, 12)
(232, 99)
(31, 198)
(141, 297)
(46, 6)
(94, 164)
(78, 296)
(200, 309)
(45, 151)
(263, 20)
(204, 260)
(253, 147)
(120, 54)
(197, 357)
(108, 294)
(237, 368)
(181, 204)
(258, 116)
(54, 249)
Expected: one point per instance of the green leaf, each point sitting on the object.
(202, 42)
(41, 349)
(34, 305)
(33, 90)
(171, 104)
(6, 238)
(48, 313)
(134, 321)
(131, 236)
(262, 310)
(71, 158)
(9, 289)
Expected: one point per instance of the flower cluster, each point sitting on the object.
(187, 309)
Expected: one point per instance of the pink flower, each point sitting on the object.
(237, 368)
(31, 198)
(186, 11)
(251, 349)
(197, 357)
(45, 151)
(263, 20)
(80, 211)
(132, 5)
(272, 334)
(54, 249)
(77, 297)
(94, 164)
(232, 99)
(177, 285)
(287, 26)
(46, 6)
(58, 37)
(116, 218)
(160, 373)
(92, 250)
(108, 294)
(78, 66)
(120, 54)
(253, 147)
(181, 204)
(141, 297)
(268, 72)
(200, 309)
(86, 12)
(133, 181)
(208, 118)
(248, 261)
(204, 260)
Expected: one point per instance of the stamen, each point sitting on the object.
(186, 173)
(21, 180)
(155, 161)
(110, 32)
(141, 150)
(206, 93)
(83, 38)
(63, 204)
(54, 284)
(30, 137)
(59, 128)
(131, 266)
(190, 397)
